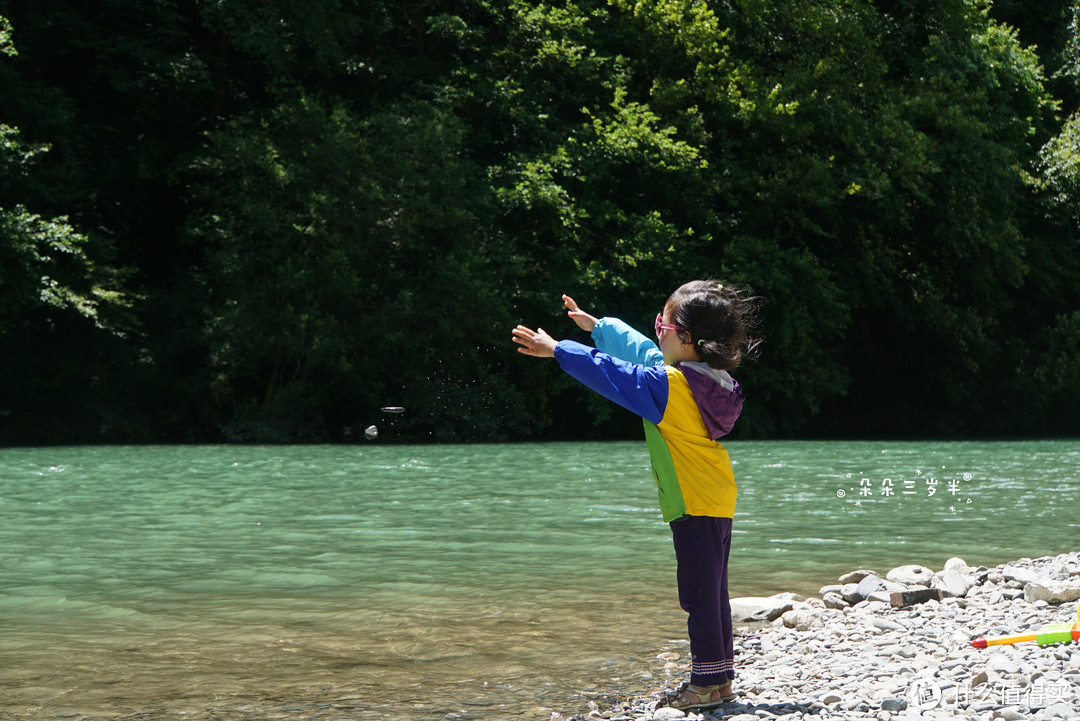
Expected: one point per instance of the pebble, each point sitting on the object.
(853, 657)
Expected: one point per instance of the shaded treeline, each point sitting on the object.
(250, 220)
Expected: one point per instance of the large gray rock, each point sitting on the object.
(1053, 591)
(912, 575)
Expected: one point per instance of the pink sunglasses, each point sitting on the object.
(661, 326)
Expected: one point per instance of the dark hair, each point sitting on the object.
(719, 319)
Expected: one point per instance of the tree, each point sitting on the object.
(305, 195)
(49, 285)
(1050, 351)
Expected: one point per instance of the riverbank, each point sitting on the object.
(851, 653)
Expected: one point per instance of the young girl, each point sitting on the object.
(683, 392)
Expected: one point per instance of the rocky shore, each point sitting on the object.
(898, 646)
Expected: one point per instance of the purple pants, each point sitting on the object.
(702, 546)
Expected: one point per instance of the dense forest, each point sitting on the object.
(257, 221)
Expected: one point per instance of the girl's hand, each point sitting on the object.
(584, 321)
(534, 342)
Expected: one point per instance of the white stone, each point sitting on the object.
(758, 608)
(886, 625)
(850, 592)
(952, 583)
(1019, 574)
(956, 564)
(855, 576)
(834, 600)
(1053, 591)
(910, 575)
(788, 597)
(668, 714)
(803, 619)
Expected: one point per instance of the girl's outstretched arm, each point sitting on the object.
(534, 342)
(615, 337)
(584, 321)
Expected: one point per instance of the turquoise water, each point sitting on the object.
(416, 582)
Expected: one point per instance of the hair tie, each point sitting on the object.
(700, 341)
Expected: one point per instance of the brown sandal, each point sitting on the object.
(694, 698)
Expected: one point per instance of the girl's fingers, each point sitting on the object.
(524, 337)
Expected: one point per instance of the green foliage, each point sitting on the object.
(328, 207)
(1057, 376)
(1060, 166)
(39, 261)
(45, 268)
(6, 46)
(51, 284)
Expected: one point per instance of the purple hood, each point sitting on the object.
(718, 397)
